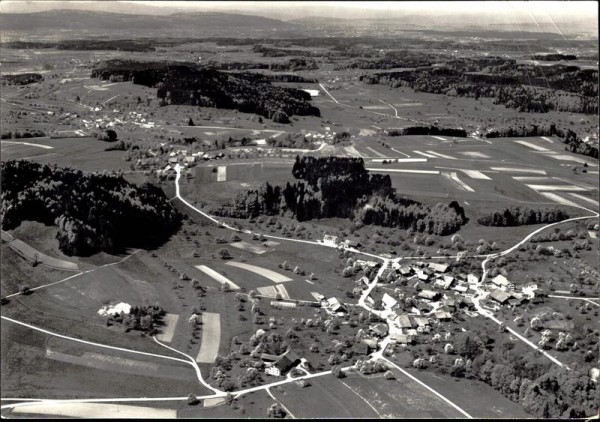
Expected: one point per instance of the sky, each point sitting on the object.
(559, 11)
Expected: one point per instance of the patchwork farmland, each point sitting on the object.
(305, 217)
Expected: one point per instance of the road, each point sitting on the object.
(327, 92)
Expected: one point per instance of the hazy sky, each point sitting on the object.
(545, 10)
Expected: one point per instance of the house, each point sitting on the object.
(500, 296)
(388, 301)
(405, 321)
(283, 305)
(472, 279)
(189, 160)
(379, 330)
(442, 315)
(404, 270)
(284, 364)
(438, 268)
(351, 244)
(444, 283)
(500, 281)
(429, 294)
(461, 288)
(362, 349)
(173, 160)
(402, 339)
(334, 305)
(421, 275)
(267, 357)
(421, 321)
(330, 240)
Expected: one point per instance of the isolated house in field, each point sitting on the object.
(438, 268)
(284, 364)
(500, 281)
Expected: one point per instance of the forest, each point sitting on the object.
(205, 87)
(94, 212)
(522, 87)
(341, 187)
(520, 215)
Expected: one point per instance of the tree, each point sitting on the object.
(337, 372)
(276, 411)
(191, 122)
(224, 253)
(192, 400)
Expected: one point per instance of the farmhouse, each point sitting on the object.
(405, 321)
(335, 306)
(379, 330)
(388, 301)
(438, 268)
(500, 281)
(429, 294)
(422, 275)
(284, 364)
(283, 305)
(472, 279)
(330, 240)
(500, 296)
(442, 315)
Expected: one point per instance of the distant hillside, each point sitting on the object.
(65, 23)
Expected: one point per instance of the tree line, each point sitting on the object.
(521, 215)
(94, 212)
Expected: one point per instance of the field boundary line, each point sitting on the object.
(455, 406)
(365, 400)
(91, 343)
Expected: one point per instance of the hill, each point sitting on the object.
(63, 23)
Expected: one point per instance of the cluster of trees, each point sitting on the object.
(543, 391)
(518, 86)
(94, 212)
(292, 64)
(553, 57)
(578, 146)
(521, 215)
(143, 45)
(21, 79)
(441, 219)
(144, 318)
(190, 85)
(31, 133)
(291, 140)
(427, 130)
(341, 187)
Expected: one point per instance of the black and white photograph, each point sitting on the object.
(299, 210)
